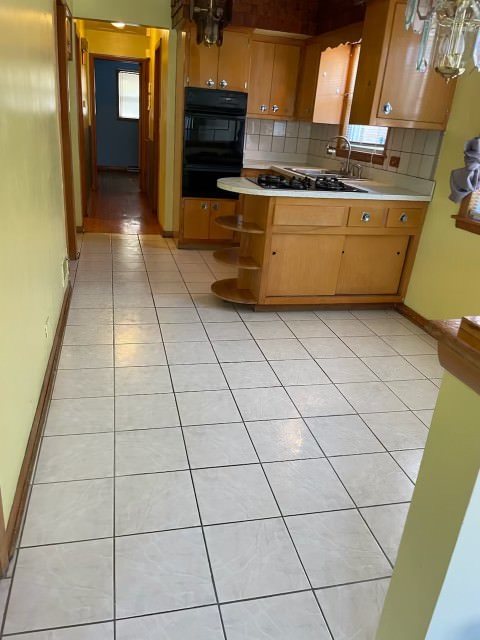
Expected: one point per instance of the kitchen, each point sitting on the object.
(345, 131)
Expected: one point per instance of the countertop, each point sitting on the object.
(374, 191)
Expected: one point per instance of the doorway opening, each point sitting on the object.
(118, 101)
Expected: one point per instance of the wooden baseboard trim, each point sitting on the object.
(414, 317)
(3, 541)
(8, 541)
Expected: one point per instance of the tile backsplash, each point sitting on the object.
(292, 141)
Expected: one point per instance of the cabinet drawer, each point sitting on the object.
(366, 217)
(404, 217)
(196, 219)
(313, 216)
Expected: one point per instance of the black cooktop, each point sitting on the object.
(322, 183)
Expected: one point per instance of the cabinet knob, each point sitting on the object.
(365, 216)
(387, 108)
(403, 218)
(204, 206)
(263, 108)
(215, 206)
(223, 84)
(210, 82)
(275, 108)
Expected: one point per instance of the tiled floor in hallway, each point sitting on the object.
(209, 472)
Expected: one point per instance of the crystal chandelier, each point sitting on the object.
(450, 34)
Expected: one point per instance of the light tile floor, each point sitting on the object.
(209, 472)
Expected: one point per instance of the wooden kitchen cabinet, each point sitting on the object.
(389, 91)
(304, 265)
(224, 67)
(372, 264)
(196, 218)
(199, 217)
(221, 208)
(274, 69)
(323, 82)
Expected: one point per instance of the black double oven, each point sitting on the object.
(213, 141)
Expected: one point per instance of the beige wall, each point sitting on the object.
(445, 279)
(32, 242)
(151, 13)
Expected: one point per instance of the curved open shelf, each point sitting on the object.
(228, 290)
(233, 258)
(234, 223)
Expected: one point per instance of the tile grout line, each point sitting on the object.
(207, 553)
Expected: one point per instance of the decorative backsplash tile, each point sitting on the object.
(417, 149)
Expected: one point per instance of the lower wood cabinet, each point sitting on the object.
(372, 264)
(304, 265)
(199, 219)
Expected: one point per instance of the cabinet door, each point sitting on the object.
(372, 264)
(284, 80)
(331, 86)
(196, 219)
(304, 265)
(233, 61)
(221, 208)
(412, 97)
(260, 81)
(202, 65)
(306, 85)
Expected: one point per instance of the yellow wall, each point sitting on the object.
(151, 13)
(116, 44)
(447, 477)
(167, 120)
(445, 279)
(32, 241)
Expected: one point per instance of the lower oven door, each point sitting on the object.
(202, 183)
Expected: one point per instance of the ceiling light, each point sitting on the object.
(119, 25)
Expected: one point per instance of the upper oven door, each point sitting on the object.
(213, 139)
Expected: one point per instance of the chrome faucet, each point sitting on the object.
(332, 149)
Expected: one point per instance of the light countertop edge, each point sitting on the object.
(375, 191)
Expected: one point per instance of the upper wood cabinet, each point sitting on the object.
(224, 67)
(389, 91)
(323, 82)
(273, 80)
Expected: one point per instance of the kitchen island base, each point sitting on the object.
(309, 251)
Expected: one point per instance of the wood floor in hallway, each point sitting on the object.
(118, 206)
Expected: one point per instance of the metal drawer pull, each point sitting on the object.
(223, 84)
(387, 108)
(403, 218)
(275, 108)
(263, 108)
(204, 206)
(210, 82)
(365, 216)
(215, 206)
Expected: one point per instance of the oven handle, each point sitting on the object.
(214, 113)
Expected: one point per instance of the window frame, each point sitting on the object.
(137, 73)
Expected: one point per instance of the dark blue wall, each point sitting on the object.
(117, 140)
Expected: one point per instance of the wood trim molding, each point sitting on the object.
(9, 539)
(3, 541)
(457, 356)
(415, 317)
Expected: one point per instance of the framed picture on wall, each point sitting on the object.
(69, 33)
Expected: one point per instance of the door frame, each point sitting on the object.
(157, 111)
(81, 130)
(143, 119)
(63, 18)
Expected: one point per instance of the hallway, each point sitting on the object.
(209, 472)
(118, 206)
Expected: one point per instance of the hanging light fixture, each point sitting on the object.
(210, 16)
(450, 34)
